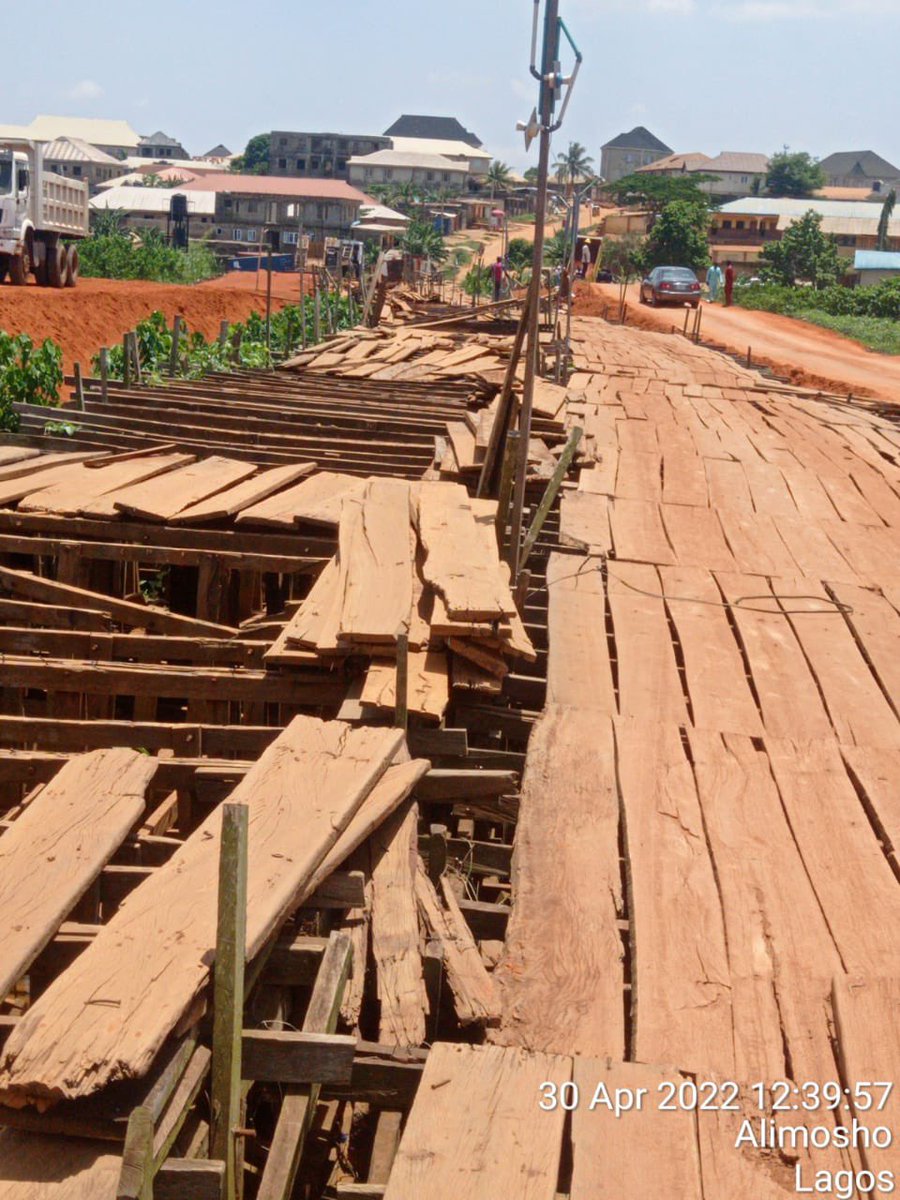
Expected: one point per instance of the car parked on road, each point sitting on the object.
(671, 285)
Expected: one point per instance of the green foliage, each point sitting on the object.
(244, 346)
(255, 159)
(477, 281)
(624, 256)
(531, 175)
(881, 301)
(520, 254)
(654, 192)
(60, 428)
(573, 164)
(423, 241)
(498, 176)
(884, 221)
(793, 174)
(875, 333)
(28, 375)
(114, 254)
(804, 253)
(556, 249)
(679, 238)
(105, 221)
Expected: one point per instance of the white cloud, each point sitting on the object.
(86, 89)
(793, 10)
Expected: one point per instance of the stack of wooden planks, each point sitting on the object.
(420, 561)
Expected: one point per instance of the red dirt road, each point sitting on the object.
(808, 355)
(98, 311)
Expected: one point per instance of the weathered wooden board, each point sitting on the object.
(376, 566)
(316, 501)
(162, 499)
(58, 845)
(242, 495)
(428, 685)
(584, 522)
(578, 666)
(475, 1129)
(40, 1167)
(146, 969)
(83, 485)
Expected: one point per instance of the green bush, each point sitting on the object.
(110, 253)
(28, 375)
(880, 300)
(876, 333)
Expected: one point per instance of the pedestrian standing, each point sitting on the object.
(729, 283)
(497, 276)
(714, 282)
(585, 260)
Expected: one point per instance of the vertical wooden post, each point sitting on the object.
(269, 302)
(236, 346)
(176, 338)
(317, 316)
(79, 389)
(506, 486)
(126, 360)
(104, 374)
(543, 509)
(135, 356)
(401, 686)
(228, 993)
(223, 332)
(136, 1173)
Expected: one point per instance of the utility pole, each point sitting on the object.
(551, 81)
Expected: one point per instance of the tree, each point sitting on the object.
(623, 257)
(573, 164)
(520, 253)
(531, 176)
(255, 159)
(794, 174)
(556, 249)
(679, 237)
(654, 192)
(423, 241)
(804, 253)
(884, 221)
(498, 176)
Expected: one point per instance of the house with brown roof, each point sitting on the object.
(737, 173)
(859, 168)
(247, 205)
(627, 152)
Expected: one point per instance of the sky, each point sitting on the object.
(703, 75)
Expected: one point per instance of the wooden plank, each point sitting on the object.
(876, 775)
(316, 500)
(302, 794)
(584, 522)
(681, 994)
(638, 533)
(428, 686)
(457, 562)
(395, 930)
(375, 563)
(561, 976)
(684, 479)
(162, 499)
(189, 1179)
(82, 484)
(642, 1152)
(137, 616)
(476, 999)
(696, 537)
(875, 623)
(578, 666)
(647, 669)
(57, 847)
(286, 1056)
(36, 1167)
(475, 1129)
(242, 495)
(51, 616)
(718, 690)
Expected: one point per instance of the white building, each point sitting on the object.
(400, 166)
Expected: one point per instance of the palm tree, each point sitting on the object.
(498, 175)
(573, 164)
(884, 220)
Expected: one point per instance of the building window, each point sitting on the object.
(367, 172)
(342, 145)
(314, 163)
(227, 202)
(342, 164)
(726, 224)
(429, 175)
(282, 141)
(446, 177)
(739, 225)
(250, 235)
(388, 173)
(76, 169)
(744, 179)
(252, 206)
(301, 164)
(321, 212)
(289, 237)
(282, 162)
(237, 235)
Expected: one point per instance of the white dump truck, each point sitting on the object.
(42, 215)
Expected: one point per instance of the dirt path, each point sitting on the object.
(810, 356)
(98, 311)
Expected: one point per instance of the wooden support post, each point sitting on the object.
(236, 345)
(228, 994)
(437, 852)
(697, 322)
(507, 475)
(269, 301)
(104, 374)
(136, 1174)
(543, 509)
(299, 1103)
(126, 360)
(223, 333)
(687, 317)
(749, 358)
(176, 339)
(79, 389)
(401, 700)
(317, 316)
(135, 356)
(504, 408)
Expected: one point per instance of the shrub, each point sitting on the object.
(110, 253)
(28, 375)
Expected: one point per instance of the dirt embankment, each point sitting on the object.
(98, 311)
(806, 354)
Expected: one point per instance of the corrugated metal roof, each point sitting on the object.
(639, 138)
(381, 212)
(413, 145)
(97, 132)
(70, 149)
(154, 200)
(693, 161)
(402, 158)
(738, 162)
(278, 185)
(767, 206)
(876, 260)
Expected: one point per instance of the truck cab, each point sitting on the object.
(38, 209)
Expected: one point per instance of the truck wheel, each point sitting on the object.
(3, 269)
(19, 268)
(57, 264)
(72, 263)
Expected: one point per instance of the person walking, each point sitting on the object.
(497, 277)
(585, 259)
(714, 282)
(729, 283)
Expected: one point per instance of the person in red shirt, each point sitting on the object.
(497, 276)
(729, 283)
